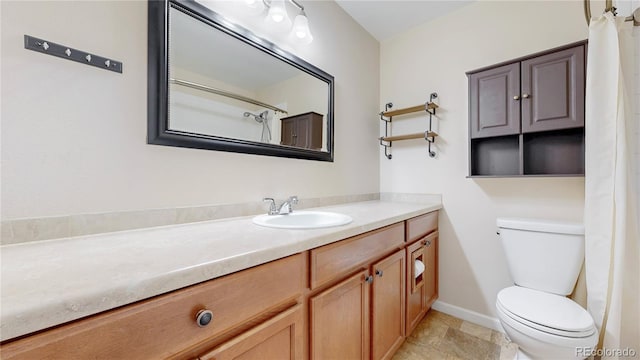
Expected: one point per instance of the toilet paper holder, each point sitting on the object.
(419, 267)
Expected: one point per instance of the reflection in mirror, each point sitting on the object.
(226, 89)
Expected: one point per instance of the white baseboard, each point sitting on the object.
(468, 315)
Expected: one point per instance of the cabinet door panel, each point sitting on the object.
(416, 308)
(387, 302)
(340, 321)
(287, 133)
(431, 269)
(492, 109)
(554, 84)
(422, 290)
(310, 128)
(278, 338)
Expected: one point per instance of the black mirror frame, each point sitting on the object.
(158, 132)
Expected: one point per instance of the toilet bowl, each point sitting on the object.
(544, 258)
(544, 325)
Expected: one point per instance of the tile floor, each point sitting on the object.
(441, 336)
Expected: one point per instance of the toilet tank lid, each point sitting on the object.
(549, 226)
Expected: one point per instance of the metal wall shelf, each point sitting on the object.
(429, 135)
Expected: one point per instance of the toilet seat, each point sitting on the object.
(545, 312)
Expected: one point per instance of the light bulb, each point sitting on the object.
(277, 17)
(301, 30)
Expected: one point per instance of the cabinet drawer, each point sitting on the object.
(331, 261)
(165, 325)
(422, 225)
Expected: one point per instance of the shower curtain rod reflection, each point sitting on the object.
(635, 16)
(225, 93)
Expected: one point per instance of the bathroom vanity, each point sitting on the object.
(344, 292)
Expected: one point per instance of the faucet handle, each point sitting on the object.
(272, 205)
(293, 199)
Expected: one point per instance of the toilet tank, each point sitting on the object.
(543, 254)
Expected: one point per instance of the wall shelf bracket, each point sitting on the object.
(387, 127)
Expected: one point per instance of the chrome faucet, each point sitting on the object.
(284, 209)
(287, 206)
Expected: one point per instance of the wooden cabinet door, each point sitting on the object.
(553, 91)
(493, 111)
(416, 300)
(387, 305)
(279, 338)
(304, 132)
(340, 320)
(288, 132)
(431, 269)
(310, 127)
(422, 290)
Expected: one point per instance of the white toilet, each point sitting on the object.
(544, 258)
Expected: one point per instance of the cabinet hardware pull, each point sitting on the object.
(204, 317)
(516, 97)
(379, 272)
(368, 279)
(526, 96)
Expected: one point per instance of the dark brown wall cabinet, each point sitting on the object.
(526, 116)
(304, 130)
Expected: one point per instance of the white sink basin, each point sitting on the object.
(303, 220)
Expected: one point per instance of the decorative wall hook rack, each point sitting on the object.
(429, 135)
(65, 52)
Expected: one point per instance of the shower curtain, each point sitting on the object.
(612, 253)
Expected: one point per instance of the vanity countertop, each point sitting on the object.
(51, 282)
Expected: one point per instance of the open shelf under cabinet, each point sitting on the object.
(551, 153)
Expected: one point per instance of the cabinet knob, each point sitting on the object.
(204, 317)
(526, 96)
(426, 243)
(516, 97)
(379, 272)
(368, 279)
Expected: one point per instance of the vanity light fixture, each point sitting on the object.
(301, 30)
(278, 19)
(255, 6)
(277, 16)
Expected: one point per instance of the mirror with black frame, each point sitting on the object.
(214, 85)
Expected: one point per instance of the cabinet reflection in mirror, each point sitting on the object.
(219, 87)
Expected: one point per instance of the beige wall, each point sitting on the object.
(74, 137)
(435, 57)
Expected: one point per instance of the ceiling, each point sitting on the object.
(385, 18)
